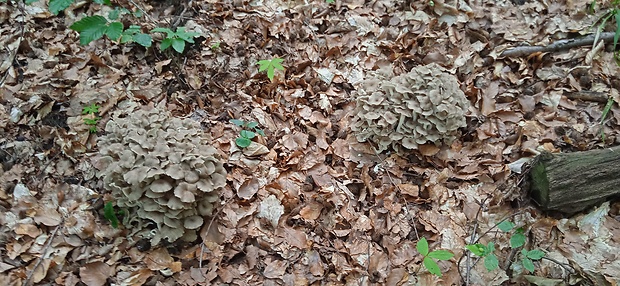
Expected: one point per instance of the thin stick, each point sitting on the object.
(558, 45)
(45, 249)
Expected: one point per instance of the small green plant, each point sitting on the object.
(610, 103)
(175, 39)
(215, 46)
(270, 66)
(92, 111)
(247, 133)
(429, 257)
(330, 1)
(517, 240)
(111, 214)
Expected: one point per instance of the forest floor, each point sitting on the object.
(350, 215)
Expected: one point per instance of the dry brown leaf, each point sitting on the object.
(95, 273)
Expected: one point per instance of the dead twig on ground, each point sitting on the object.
(558, 45)
(43, 254)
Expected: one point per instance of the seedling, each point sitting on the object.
(330, 1)
(517, 240)
(610, 103)
(91, 110)
(429, 257)
(111, 214)
(270, 66)
(215, 46)
(134, 34)
(247, 133)
(176, 39)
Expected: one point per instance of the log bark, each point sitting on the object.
(573, 182)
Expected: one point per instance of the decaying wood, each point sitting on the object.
(572, 182)
(558, 45)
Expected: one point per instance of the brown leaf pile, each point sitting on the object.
(306, 204)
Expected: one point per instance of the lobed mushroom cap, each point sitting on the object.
(161, 168)
(422, 106)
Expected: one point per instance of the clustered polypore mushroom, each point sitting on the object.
(422, 106)
(161, 168)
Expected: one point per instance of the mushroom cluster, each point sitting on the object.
(160, 168)
(422, 106)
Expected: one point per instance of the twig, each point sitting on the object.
(558, 45)
(177, 22)
(202, 247)
(43, 254)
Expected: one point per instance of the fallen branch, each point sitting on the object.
(558, 45)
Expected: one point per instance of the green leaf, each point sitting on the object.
(506, 226)
(114, 31)
(477, 249)
(137, 14)
(90, 109)
(169, 33)
(431, 266)
(490, 262)
(528, 264)
(422, 246)
(441, 254)
(617, 35)
(110, 215)
(259, 131)
(113, 15)
(166, 43)
(237, 122)
(91, 121)
(517, 240)
(28, 2)
(490, 248)
(330, 1)
(92, 129)
(143, 40)
(90, 28)
(178, 45)
(277, 63)
(243, 142)
(264, 64)
(535, 254)
(247, 134)
(252, 124)
(55, 6)
(103, 2)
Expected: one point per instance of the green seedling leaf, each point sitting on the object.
(103, 2)
(330, 1)
(90, 28)
(178, 45)
(477, 249)
(422, 246)
(441, 254)
(252, 124)
(506, 226)
(518, 239)
(259, 131)
(114, 30)
(490, 262)
(110, 214)
(617, 34)
(237, 122)
(431, 266)
(270, 66)
(92, 129)
(243, 142)
(169, 33)
(91, 109)
(534, 254)
(89, 121)
(143, 40)
(55, 6)
(247, 134)
(528, 264)
(165, 44)
(28, 2)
